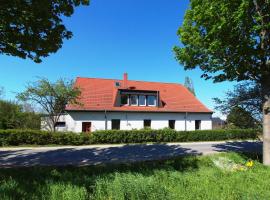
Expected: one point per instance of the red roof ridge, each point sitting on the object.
(111, 79)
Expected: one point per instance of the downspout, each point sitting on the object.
(157, 98)
(186, 122)
(106, 122)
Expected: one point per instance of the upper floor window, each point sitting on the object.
(151, 100)
(124, 99)
(138, 98)
(142, 100)
(133, 100)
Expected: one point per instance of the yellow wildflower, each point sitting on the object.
(241, 168)
(250, 163)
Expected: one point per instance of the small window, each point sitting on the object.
(116, 124)
(197, 124)
(151, 100)
(60, 124)
(142, 100)
(117, 84)
(133, 100)
(147, 123)
(172, 124)
(124, 99)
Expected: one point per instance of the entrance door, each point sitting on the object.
(86, 127)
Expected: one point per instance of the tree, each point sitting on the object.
(12, 116)
(9, 113)
(246, 95)
(52, 97)
(241, 118)
(230, 40)
(34, 29)
(1, 91)
(189, 85)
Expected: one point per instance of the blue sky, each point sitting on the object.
(113, 37)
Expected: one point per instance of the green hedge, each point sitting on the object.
(35, 137)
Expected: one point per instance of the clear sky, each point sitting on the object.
(113, 37)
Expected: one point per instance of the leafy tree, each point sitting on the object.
(230, 40)
(52, 97)
(13, 117)
(189, 85)
(241, 118)
(9, 113)
(34, 28)
(246, 95)
(30, 120)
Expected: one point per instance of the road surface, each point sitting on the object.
(101, 154)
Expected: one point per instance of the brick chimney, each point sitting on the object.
(125, 80)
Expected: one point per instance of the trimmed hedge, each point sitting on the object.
(35, 137)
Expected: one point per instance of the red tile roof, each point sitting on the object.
(100, 94)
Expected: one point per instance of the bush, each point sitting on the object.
(35, 137)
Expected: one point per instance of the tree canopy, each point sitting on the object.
(246, 95)
(12, 116)
(227, 39)
(240, 118)
(189, 85)
(230, 40)
(52, 97)
(34, 28)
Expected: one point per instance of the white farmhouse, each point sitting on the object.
(126, 105)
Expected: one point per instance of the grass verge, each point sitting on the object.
(193, 177)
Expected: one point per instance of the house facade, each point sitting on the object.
(125, 104)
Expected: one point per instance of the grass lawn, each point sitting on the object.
(182, 178)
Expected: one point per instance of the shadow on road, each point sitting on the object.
(92, 156)
(244, 147)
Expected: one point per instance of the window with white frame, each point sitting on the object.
(142, 100)
(133, 100)
(151, 100)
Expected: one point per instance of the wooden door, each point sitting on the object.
(86, 127)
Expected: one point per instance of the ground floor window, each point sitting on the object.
(60, 124)
(86, 126)
(197, 124)
(116, 124)
(172, 124)
(147, 123)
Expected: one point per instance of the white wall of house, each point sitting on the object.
(133, 120)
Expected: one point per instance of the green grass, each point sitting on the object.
(182, 178)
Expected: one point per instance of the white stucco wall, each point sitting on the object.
(129, 120)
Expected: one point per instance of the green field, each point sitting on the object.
(182, 178)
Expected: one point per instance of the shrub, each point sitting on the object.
(36, 137)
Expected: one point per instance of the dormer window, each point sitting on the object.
(151, 100)
(142, 100)
(133, 100)
(124, 99)
(138, 98)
